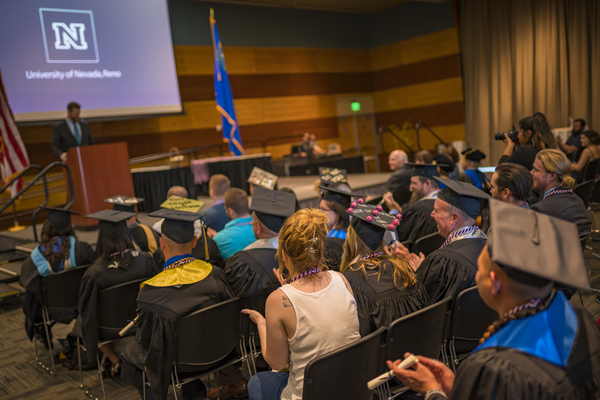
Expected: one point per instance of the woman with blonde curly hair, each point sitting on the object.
(385, 287)
(312, 313)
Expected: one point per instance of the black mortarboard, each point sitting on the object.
(272, 207)
(371, 223)
(178, 225)
(338, 196)
(473, 154)
(260, 177)
(535, 248)
(428, 171)
(124, 203)
(444, 162)
(332, 175)
(59, 218)
(112, 222)
(463, 196)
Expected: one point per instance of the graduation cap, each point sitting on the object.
(371, 223)
(124, 203)
(534, 248)
(473, 154)
(428, 171)
(332, 175)
(182, 204)
(177, 225)
(59, 218)
(444, 162)
(112, 222)
(272, 207)
(334, 194)
(260, 177)
(462, 195)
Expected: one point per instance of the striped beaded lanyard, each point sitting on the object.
(533, 303)
(463, 231)
(179, 263)
(243, 223)
(558, 192)
(375, 254)
(311, 271)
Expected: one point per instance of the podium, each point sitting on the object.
(99, 172)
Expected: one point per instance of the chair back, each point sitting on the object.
(470, 319)
(408, 244)
(209, 335)
(590, 172)
(428, 244)
(421, 332)
(61, 290)
(585, 191)
(344, 373)
(117, 306)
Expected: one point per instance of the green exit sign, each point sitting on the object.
(355, 106)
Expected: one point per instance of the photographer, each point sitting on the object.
(533, 136)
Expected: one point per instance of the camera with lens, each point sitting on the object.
(512, 135)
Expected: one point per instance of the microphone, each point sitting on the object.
(417, 125)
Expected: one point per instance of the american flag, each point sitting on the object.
(13, 155)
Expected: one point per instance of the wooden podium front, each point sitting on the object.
(99, 172)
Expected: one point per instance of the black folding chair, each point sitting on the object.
(326, 378)
(428, 244)
(116, 308)
(250, 331)
(590, 172)
(59, 292)
(206, 341)
(470, 319)
(585, 191)
(408, 244)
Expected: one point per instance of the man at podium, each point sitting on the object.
(71, 132)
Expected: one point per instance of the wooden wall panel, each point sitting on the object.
(419, 95)
(438, 114)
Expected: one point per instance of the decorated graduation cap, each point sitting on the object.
(534, 248)
(335, 193)
(112, 223)
(177, 225)
(260, 177)
(332, 175)
(462, 195)
(182, 204)
(428, 171)
(444, 162)
(59, 218)
(473, 154)
(272, 207)
(371, 223)
(124, 203)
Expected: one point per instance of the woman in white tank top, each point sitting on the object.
(312, 314)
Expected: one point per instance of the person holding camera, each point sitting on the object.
(533, 136)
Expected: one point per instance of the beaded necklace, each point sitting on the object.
(464, 231)
(311, 271)
(243, 223)
(179, 263)
(375, 254)
(558, 192)
(533, 303)
(121, 253)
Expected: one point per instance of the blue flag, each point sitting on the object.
(223, 95)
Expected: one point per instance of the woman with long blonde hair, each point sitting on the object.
(385, 287)
(312, 313)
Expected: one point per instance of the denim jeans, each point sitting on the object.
(267, 385)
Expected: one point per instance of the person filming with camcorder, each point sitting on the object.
(523, 144)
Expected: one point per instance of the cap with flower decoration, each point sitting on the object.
(371, 223)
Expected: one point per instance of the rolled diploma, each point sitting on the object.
(409, 361)
(128, 327)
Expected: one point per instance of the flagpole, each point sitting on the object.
(16, 226)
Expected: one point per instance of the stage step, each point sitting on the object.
(10, 272)
(7, 257)
(27, 247)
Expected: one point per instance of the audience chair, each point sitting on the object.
(59, 292)
(344, 373)
(117, 306)
(585, 191)
(470, 319)
(206, 342)
(590, 172)
(250, 332)
(428, 244)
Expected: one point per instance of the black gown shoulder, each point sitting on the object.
(334, 249)
(379, 301)
(568, 207)
(417, 221)
(399, 185)
(523, 155)
(250, 273)
(140, 235)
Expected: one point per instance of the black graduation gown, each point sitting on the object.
(140, 236)
(30, 280)
(379, 301)
(250, 273)
(450, 270)
(568, 207)
(399, 184)
(334, 249)
(159, 308)
(98, 277)
(500, 373)
(417, 221)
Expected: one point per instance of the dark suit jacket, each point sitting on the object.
(62, 138)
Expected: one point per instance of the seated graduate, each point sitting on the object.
(512, 184)
(416, 217)
(313, 312)
(238, 232)
(144, 237)
(541, 347)
(445, 165)
(471, 162)
(58, 250)
(185, 285)
(216, 217)
(452, 268)
(552, 177)
(118, 262)
(385, 287)
(178, 191)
